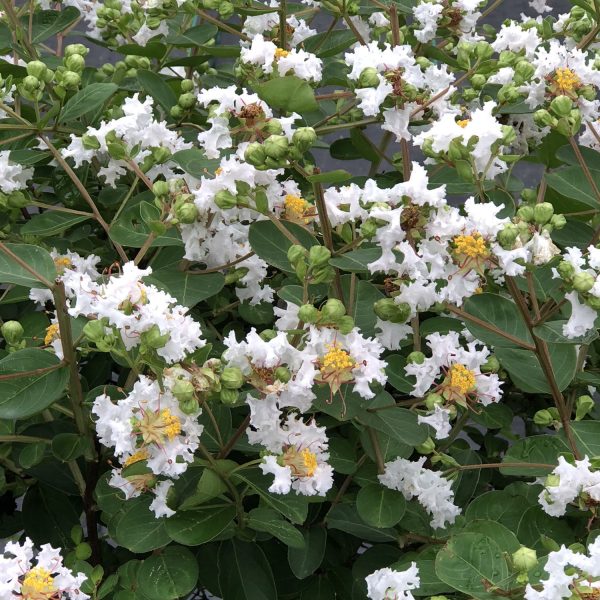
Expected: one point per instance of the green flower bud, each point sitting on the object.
(506, 58)
(187, 213)
(187, 100)
(333, 310)
(75, 63)
(296, 253)
(76, 49)
(508, 236)
(491, 365)
(225, 200)
(583, 281)
(117, 149)
(90, 142)
(282, 374)
(566, 270)
(483, 50)
(369, 228)
(593, 302)
(525, 213)
(183, 390)
(232, 378)
(94, 330)
(307, 313)
(160, 188)
(153, 338)
(588, 92)
(161, 154)
(71, 80)
(368, 77)
(31, 83)
(255, 154)
(12, 331)
(228, 396)
(558, 221)
(273, 127)
(524, 559)
(276, 147)
(427, 447)
(583, 406)
(187, 85)
(176, 112)
(423, 62)
(469, 94)
(345, 324)
(188, 406)
(304, 138)
(478, 81)
(561, 106)
(17, 199)
(37, 69)
(543, 212)
(543, 418)
(432, 400)
(415, 357)
(524, 70)
(318, 256)
(543, 118)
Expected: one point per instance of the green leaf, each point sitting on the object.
(470, 563)
(188, 289)
(244, 572)
(357, 260)
(25, 396)
(51, 222)
(270, 521)
(494, 416)
(498, 505)
(195, 163)
(195, 36)
(328, 44)
(154, 85)
(346, 518)
(337, 176)
(195, 527)
(535, 524)
(526, 372)
(366, 294)
(501, 534)
(587, 437)
(150, 50)
(306, 560)
(68, 446)
(32, 454)
(500, 313)
(272, 245)
(551, 331)
(541, 449)
(35, 257)
(137, 529)
(290, 94)
(46, 23)
(87, 100)
(171, 574)
(590, 156)
(379, 506)
(572, 183)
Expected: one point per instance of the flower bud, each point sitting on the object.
(543, 212)
(296, 253)
(187, 85)
(70, 79)
(565, 269)
(583, 281)
(176, 112)
(368, 77)
(491, 365)
(153, 338)
(273, 127)
(558, 221)
(478, 81)
(524, 559)
(415, 357)
(225, 200)
(593, 302)
(12, 331)
(232, 378)
(318, 256)
(506, 58)
(432, 400)
(304, 138)
(160, 188)
(187, 100)
(76, 49)
(369, 228)
(427, 447)
(508, 236)
(543, 418)
(333, 310)
(561, 106)
(75, 63)
(307, 313)
(282, 374)
(228, 396)
(525, 213)
(183, 390)
(276, 147)
(187, 213)
(345, 324)
(255, 154)
(17, 199)
(543, 118)
(31, 83)
(524, 70)
(94, 330)
(583, 406)
(37, 69)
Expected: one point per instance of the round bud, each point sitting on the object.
(225, 200)
(415, 357)
(276, 147)
(187, 85)
(76, 49)
(478, 81)
(558, 221)
(345, 324)
(160, 188)
(31, 83)
(368, 77)
(333, 310)
(524, 70)
(228, 396)
(508, 236)
(70, 79)
(543, 418)
(525, 213)
(273, 127)
(183, 390)
(543, 212)
(296, 253)
(255, 154)
(282, 374)
(75, 63)
(565, 269)
(12, 331)
(593, 302)
(318, 256)
(304, 138)
(524, 559)
(491, 365)
(432, 400)
(176, 112)
(543, 118)
(307, 313)
(37, 69)
(187, 213)
(187, 100)
(561, 106)
(583, 281)
(232, 378)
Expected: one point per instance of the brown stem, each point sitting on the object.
(224, 453)
(220, 267)
(377, 449)
(584, 167)
(33, 373)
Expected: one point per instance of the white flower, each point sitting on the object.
(439, 419)
(159, 505)
(582, 317)
(387, 583)
(28, 575)
(13, 176)
(542, 248)
(433, 491)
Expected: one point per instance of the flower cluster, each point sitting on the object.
(389, 583)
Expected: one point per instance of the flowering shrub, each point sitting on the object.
(231, 368)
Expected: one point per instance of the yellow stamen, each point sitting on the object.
(136, 457)
(463, 123)
(219, 170)
(157, 427)
(62, 263)
(295, 207)
(337, 359)
(461, 379)
(470, 245)
(38, 584)
(52, 333)
(566, 80)
(302, 464)
(281, 53)
(172, 424)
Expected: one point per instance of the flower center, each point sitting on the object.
(158, 427)
(38, 584)
(472, 246)
(281, 53)
(62, 262)
(463, 122)
(566, 80)
(52, 333)
(303, 463)
(337, 359)
(461, 379)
